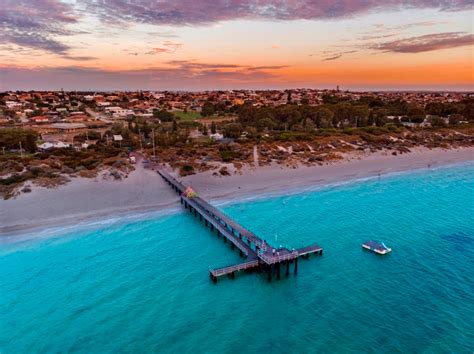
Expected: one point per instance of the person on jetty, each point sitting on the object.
(190, 193)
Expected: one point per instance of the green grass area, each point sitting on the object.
(187, 116)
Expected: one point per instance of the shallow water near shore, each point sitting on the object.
(142, 285)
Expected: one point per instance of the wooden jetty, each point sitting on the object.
(258, 253)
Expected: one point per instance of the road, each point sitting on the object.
(98, 116)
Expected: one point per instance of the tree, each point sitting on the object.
(371, 119)
(91, 135)
(437, 122)
(146, 129)
(309, 125)
(9, 113)
(163, 115)
(454, 119)
(330, 99)
(213, 128)
(207, 109)
(219, 108)
(359, 115)
(416, 114)
(288, 114)
(131, 125)
(247, 114)
(342, 114)
(10, 138)
(468, 109)
(397, 108)
(233, 130)
(323, 117)
(379, 120)
(265, 123)
(434, 108)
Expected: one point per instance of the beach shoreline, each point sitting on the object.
(84, 200)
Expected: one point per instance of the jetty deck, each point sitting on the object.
(257, 252)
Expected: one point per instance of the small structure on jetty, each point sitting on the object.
(258, 254)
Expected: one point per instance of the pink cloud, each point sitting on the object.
(426, 43)
(34, 24)
(205, 12)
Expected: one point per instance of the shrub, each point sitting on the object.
(228, 155)
(375, 130)
(186, 170)
(294, 136)
(348, 131)
(13, 179)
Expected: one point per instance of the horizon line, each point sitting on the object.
(467, 91)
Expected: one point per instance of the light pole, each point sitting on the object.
(154, 154)
(140, 139)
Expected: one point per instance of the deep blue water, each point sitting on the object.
(142, 285)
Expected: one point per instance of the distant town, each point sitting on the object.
(36, 108)
(62, 134)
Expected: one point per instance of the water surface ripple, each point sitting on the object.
(143, 285)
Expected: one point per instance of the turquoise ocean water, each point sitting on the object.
(142, 284)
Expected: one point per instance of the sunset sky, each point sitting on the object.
(225, 44)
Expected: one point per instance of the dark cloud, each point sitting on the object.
(329, 55)
(166, 34)
(377, 36)
(192, 65)
(34, 24)
(79, 58)
(167, 47)
(268, 67)
(205, 12)
(196, 67)
(427, 43)
(156, 51)
(334, 57)
(177, 75)
(381, 26)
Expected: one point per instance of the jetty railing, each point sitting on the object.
(270, 259)
(234, 268)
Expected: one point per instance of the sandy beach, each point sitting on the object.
(143, 191)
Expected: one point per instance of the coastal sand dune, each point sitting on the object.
(277, 178)
(144, 191)
(83, 199)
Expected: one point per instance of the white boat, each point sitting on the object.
(377, 247)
